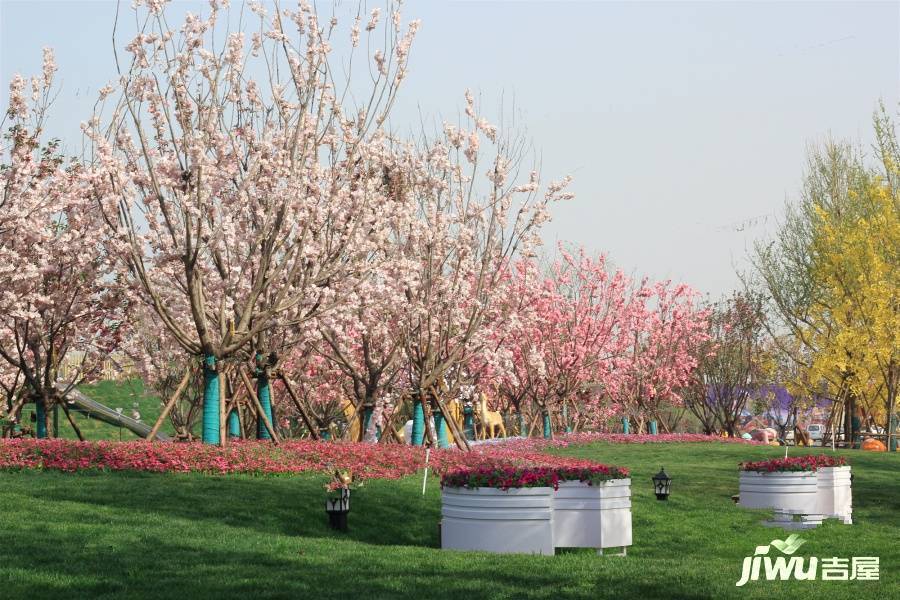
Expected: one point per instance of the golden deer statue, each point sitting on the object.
(490, 420)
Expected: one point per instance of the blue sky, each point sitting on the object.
(684, 125)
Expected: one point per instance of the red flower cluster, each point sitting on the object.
(810, 462)
(504, 476)
(365, 461)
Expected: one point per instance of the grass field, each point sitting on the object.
(115, 535)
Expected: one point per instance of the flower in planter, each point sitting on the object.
(810, 462)
(592, 475)
(507, 476)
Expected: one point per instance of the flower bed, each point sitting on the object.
(504, 476)
(567, 439)
(366, 461)
(810, 462)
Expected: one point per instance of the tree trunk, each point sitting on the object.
(368, 411)
(418, 428)
(41, 430)
(234, 424)
(567, 427)
(469, 421)
(210, 400)
(264, 393)
(440, 426)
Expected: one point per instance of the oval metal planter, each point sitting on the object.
(790, 491)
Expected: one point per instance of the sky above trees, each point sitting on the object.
(684, 125)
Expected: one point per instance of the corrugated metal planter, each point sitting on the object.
(788, 491)
(835, 497)
(592, 516)
(519, 520)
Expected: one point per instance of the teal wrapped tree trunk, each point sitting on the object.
(40, 412)
(418, 427)
(893, 428)
(522, 431)
(469, 421)
(440, 426)
(653, 429)
(565, 416)
(210, 400)
(234, 424)
(264, 393)
(626, 426)
(548, 430)
(368, 410)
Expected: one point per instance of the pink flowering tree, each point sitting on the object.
(10, 391)
(664, 333)
(362, 344)
(567, 333)
(320, 387)
(57, 295)
(242, 206)
(474, 216)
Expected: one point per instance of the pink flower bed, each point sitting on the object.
(365, 461)
(810, 462)
(563, 440)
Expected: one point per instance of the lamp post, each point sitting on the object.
(337, 509)
(661, 484)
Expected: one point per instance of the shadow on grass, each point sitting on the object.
(324, 570)
(289, 505)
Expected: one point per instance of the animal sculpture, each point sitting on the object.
(801, 437)
(491, 420)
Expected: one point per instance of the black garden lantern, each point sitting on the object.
(661, 483)
(337, 509)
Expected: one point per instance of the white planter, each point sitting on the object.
(793, 492)
(592, 516)
(519, 520)
(835, 498)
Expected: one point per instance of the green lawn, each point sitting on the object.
(193, 536)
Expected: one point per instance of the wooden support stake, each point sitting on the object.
(388, 431)
(534, 421)
(223, 396)
(170, 404)
(262, 414)
(354, 415)
(13, 414)
(241, 422)
(313, 431)
(236, 399)
(72, 421)
(430, 433)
